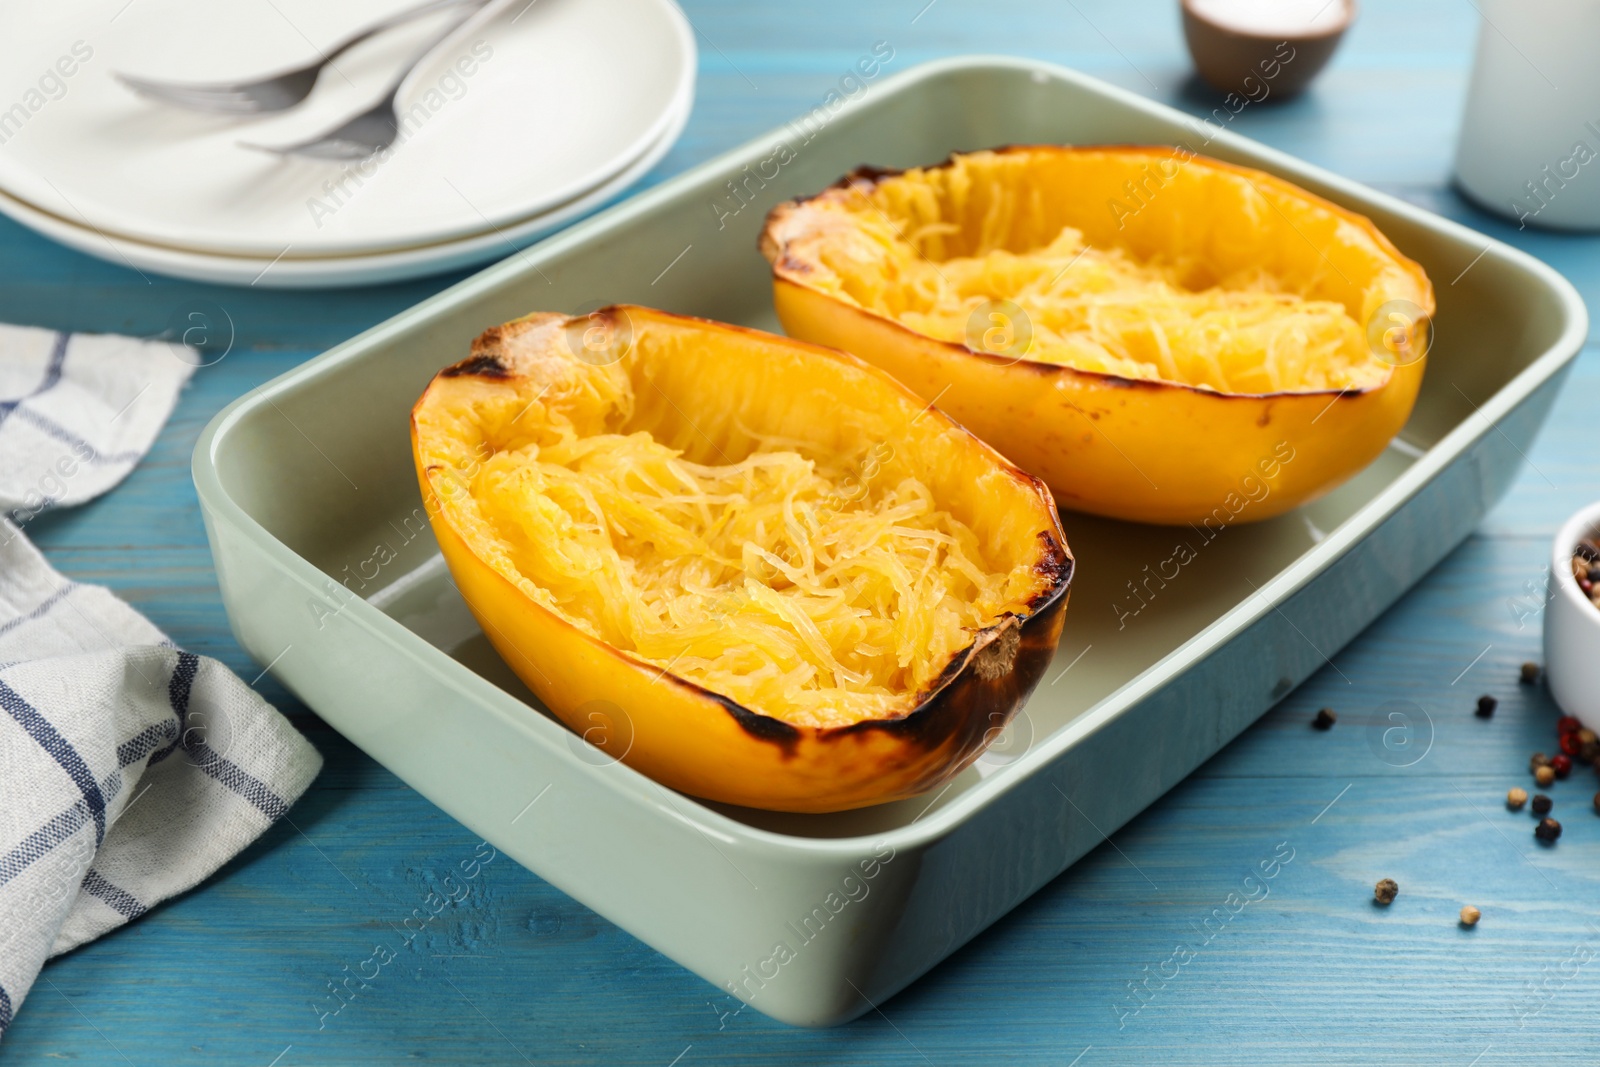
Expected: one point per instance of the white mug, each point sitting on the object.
(1530, 135)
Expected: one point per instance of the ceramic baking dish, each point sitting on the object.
(329, 572)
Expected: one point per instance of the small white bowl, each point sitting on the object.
(1572, 627)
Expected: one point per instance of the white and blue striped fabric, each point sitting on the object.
(130, 770)
(78, 411)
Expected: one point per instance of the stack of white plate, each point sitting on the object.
(530, 114)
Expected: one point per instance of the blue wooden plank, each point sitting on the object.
(238, 971)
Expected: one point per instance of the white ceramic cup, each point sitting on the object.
(1572, 627)
(1530, 135)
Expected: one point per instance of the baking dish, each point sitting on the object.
(1177, 638)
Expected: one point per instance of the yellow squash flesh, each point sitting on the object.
(587, 479)
(1158, 336)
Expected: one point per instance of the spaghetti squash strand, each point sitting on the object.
(1092, 308)
(784, 581)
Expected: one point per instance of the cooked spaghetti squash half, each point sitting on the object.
(756, 570)
(1159, 336)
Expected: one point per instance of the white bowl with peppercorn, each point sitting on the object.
(1572, 618)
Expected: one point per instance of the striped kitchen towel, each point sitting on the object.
(130, 770)
(78, 411)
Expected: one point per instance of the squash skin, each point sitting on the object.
(1141, 450)
(707, 745)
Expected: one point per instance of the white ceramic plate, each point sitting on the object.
(523, 110)
(336, 271)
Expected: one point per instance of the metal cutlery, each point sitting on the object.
(378, 127)
(277, 92)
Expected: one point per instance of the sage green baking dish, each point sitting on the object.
(328, 571)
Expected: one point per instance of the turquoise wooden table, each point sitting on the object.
(239, 971)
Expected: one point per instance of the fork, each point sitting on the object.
(378, 127)
(278, 92)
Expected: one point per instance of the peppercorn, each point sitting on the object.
(1589, 752)
(1486, 706)
(1470, 916)
(1518, 796)
(1597, 803)
(1569, 745)
(1562, 765)
(1567, 724)
(1587, 736)
(1537, 760)
(1542, 804)
(1544, 775)
(1530, 673)
(1385, 891)
(1547, 830)
(1325, 719)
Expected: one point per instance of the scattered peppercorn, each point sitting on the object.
(1562, 765)
(1569, 744)
(1486, 706)
(1530, 674)
(1588, 752)
(1544, 776)
(1567, 725)
(1470, 916)
(1547, 830)
(1385, 891)
(1542, 804)
(1325, 719)
(1597, 803)
(1518, 796)
(1537, 760)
